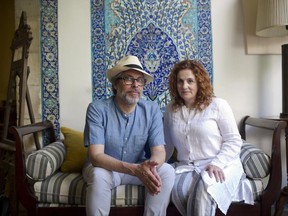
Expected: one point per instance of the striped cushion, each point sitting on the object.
(44, 162)
(70, 189)
(256, 163)
(128, 195)
(67, 188)
(257, 188)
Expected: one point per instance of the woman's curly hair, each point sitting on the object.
(205, 90)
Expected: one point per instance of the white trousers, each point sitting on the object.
(191, 197)
(100, 182)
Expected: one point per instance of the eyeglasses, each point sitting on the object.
(130, 80)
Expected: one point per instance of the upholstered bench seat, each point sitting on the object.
(56, 187)
(70, 188)
(64, 188)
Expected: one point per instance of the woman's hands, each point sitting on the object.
(217, 172)
(147, 173)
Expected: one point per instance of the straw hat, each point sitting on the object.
(127, 63)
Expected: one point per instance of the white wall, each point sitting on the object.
(75, 90)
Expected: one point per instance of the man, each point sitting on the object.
(116, 132)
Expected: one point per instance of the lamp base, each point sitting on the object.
(283, 115)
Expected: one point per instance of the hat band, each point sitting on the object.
(134, 66)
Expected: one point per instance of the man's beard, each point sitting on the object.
(128, 99)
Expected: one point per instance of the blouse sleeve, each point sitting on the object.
(231, 139)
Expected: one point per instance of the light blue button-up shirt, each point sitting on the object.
(124, 136)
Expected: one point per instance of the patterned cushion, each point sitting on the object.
(67, 188)
(128, 195)
(256, 163)
(70, 189)
(257, 188)
(44, 162)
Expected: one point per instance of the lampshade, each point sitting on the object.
(272, 18)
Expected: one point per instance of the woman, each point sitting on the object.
(203, 131)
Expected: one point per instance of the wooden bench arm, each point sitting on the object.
(25, 193)
(272, 191)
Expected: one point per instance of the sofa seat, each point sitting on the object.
(62, 189)
(51, 186)
(70, 188)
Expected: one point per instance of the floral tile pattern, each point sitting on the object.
(160, 33)
(49, 62)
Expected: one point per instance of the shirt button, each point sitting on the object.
(124, 152)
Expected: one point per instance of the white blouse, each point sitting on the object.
(210, 134)
(209, 137)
